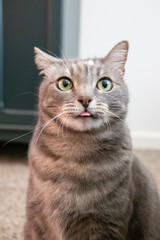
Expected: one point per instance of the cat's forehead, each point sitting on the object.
(87, 69)
(85, 66)
(81, 70)
(86, 62)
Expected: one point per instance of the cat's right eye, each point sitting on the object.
(65, 84)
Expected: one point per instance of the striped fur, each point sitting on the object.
(85, 183)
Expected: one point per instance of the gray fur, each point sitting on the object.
(85, 183)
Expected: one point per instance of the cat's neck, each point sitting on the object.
(73, 144)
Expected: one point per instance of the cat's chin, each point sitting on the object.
(84, 124)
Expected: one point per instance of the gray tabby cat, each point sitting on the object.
(85, 183)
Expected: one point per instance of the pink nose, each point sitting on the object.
(85, 101)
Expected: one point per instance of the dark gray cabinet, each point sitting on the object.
(23, 25)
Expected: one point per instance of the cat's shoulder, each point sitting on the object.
(142, 177)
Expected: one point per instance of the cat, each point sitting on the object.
(85, 182)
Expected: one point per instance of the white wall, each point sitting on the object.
(104, 23)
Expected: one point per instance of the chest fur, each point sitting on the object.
(85, 210)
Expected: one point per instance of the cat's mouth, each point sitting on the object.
(85, 114)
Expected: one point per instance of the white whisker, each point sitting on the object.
(108, 124)
(116, 116)
(64, 58)
(69, 105)
(22, 135)
(65, 124)
(20, 94)
(61, 124)
(45, 125)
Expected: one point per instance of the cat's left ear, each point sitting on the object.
(117, 57)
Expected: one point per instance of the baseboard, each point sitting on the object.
(146, 140)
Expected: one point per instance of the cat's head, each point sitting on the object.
(85, 94)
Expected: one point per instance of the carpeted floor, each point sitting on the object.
(13, 184)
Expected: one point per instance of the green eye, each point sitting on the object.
(105, 84)
(65, 84)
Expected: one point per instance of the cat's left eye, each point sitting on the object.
(65, 84)
(105, 84)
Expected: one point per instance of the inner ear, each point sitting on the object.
(43, 60)
(117, 57)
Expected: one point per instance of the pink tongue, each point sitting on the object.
(85, 114)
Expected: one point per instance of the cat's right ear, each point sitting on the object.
(43, 60)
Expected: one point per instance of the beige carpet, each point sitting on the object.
(13, 185)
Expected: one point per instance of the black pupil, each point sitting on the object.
(105, 83)
(66, 83)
